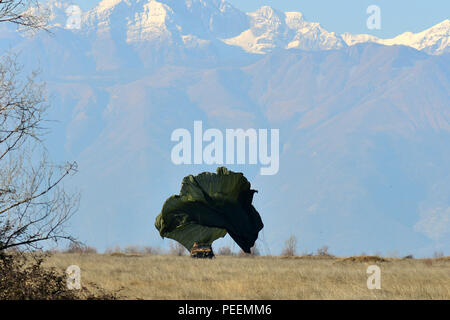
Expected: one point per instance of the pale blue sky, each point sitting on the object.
(350, 15)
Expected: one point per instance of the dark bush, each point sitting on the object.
(75, 247)
(24, 278)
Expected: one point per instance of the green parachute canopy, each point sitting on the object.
(210, 205)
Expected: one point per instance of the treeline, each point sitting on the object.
(176, 249)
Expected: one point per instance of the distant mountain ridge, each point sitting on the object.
(197, 22)
(435, 40)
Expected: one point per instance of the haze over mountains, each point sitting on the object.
(364, 123)
(198, 23)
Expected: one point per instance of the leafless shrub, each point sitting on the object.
(151, 250)
(323, 252)
(290, 247)
(90, 250)
(224, 251)
(438, 254)
(111, 250)
(75, 247)
(364, 259)
(132, 249)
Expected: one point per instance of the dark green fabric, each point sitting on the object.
(210, 205)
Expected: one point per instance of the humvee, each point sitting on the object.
(202, 250)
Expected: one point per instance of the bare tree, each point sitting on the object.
(28, 14)
(33, 204)
(290, 247)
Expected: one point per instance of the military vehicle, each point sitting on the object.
(202, 250)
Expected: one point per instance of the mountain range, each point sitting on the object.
(364, 122)
(198, 23)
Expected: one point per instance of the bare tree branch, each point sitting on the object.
(24, 13)
(34, 206)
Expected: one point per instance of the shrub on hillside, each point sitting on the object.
(290, 247)
(24, 278)
(323, 252)
(75, 247)
(224, 251)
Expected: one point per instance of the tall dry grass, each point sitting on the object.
(233, 277)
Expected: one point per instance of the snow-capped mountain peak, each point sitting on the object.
(435, 40)
(193, 23)
(271, 29)
(166, 20)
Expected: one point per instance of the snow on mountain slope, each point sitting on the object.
(435, 40)
(352, 39)
(152, 23)
(166, 20)
(195, 23)
(271, 29)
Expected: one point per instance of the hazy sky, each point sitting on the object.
(353, 199)
(350, 15)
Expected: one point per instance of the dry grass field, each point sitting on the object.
(134, 276)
